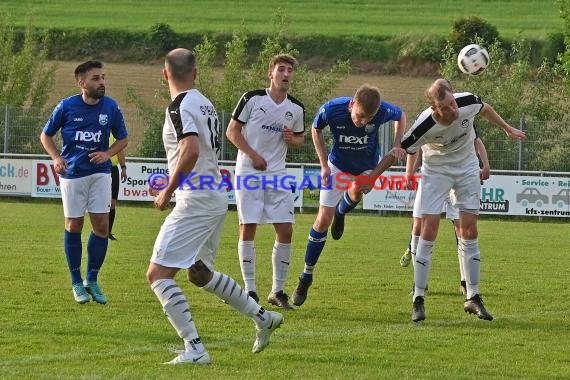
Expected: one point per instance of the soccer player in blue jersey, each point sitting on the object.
(86, 122)
(354, 123)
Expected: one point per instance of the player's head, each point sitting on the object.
(180, 65)
(364, 105)
(443, 104)
(90, 77)
(281, 71)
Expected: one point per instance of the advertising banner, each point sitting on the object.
(15, 177)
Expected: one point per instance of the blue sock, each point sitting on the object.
(96, 252)
(315, 246)
(345, 205)
(72, 247)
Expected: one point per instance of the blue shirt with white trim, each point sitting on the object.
(85, 128)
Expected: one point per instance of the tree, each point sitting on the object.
(239, 75)
(528, 97)
(25, 81)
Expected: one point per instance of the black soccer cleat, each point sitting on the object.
(279, 299)
(112, 237)
(253, 295)
(300, 294)
(475, 306)
(418, 309)
(337, 227)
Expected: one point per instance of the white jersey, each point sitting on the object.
(191, 113)
(264, 122)
(446, 145)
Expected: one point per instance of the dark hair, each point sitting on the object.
(85, 67)
(180, 63)
(282, 58)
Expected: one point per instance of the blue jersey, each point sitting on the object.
(85, 129)
(354, 149)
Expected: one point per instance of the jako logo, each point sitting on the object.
(353, 139)
(88, 136)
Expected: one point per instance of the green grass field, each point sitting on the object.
(531, 18)
(355, 323)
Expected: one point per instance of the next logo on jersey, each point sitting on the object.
(88, 136)
(353, 139)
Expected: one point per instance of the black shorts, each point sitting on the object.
(114, 182)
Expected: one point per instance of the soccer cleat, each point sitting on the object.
(262, 334)
(186, 357)
(112, 237)
(463, 288)
(253, 295)
(300, 294)
(80, 293)
(95, 291)
(279, 299)
(337, 227)
(474, 305)
(406, 258)
(418, 309)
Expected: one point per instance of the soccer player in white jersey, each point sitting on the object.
(445, 133)
(190, 234)
(86, 121)
(264, 124)
(451, 213)
(354, 123)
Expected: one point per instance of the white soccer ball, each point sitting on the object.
(473, 59)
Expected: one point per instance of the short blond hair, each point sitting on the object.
(368, 98)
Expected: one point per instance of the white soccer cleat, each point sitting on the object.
(186, 357)
(262, 335)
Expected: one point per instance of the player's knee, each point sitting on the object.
(199, 274)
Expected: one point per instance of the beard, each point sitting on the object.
(96, 93)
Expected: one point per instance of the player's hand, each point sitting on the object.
(515, 134)
(364, 188)
(60, 165)
(484, 173)
(124, 175)
(98, 158)
(258, 162)
(411, 182)
(399, 153)
(162, 200)
(325, 176)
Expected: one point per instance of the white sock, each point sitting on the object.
(281, 258)
(177, 310)
(414, 243)
(472, 264)
(246, 253)
(422, 267)
(226, 288)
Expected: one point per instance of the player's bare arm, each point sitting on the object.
(319, 143)
(234, 134)
(59, 163)
(399, 129)
(490, 114)
(189, 152)
(293, 140)
(385, 163)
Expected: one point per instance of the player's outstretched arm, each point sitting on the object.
(490, 114)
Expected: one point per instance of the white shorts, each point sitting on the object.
(264, 206)
(187, 236)
(91, 193)
(463, 188)
(331, 197)
(451, 212)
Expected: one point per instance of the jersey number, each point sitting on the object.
(214, 128)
